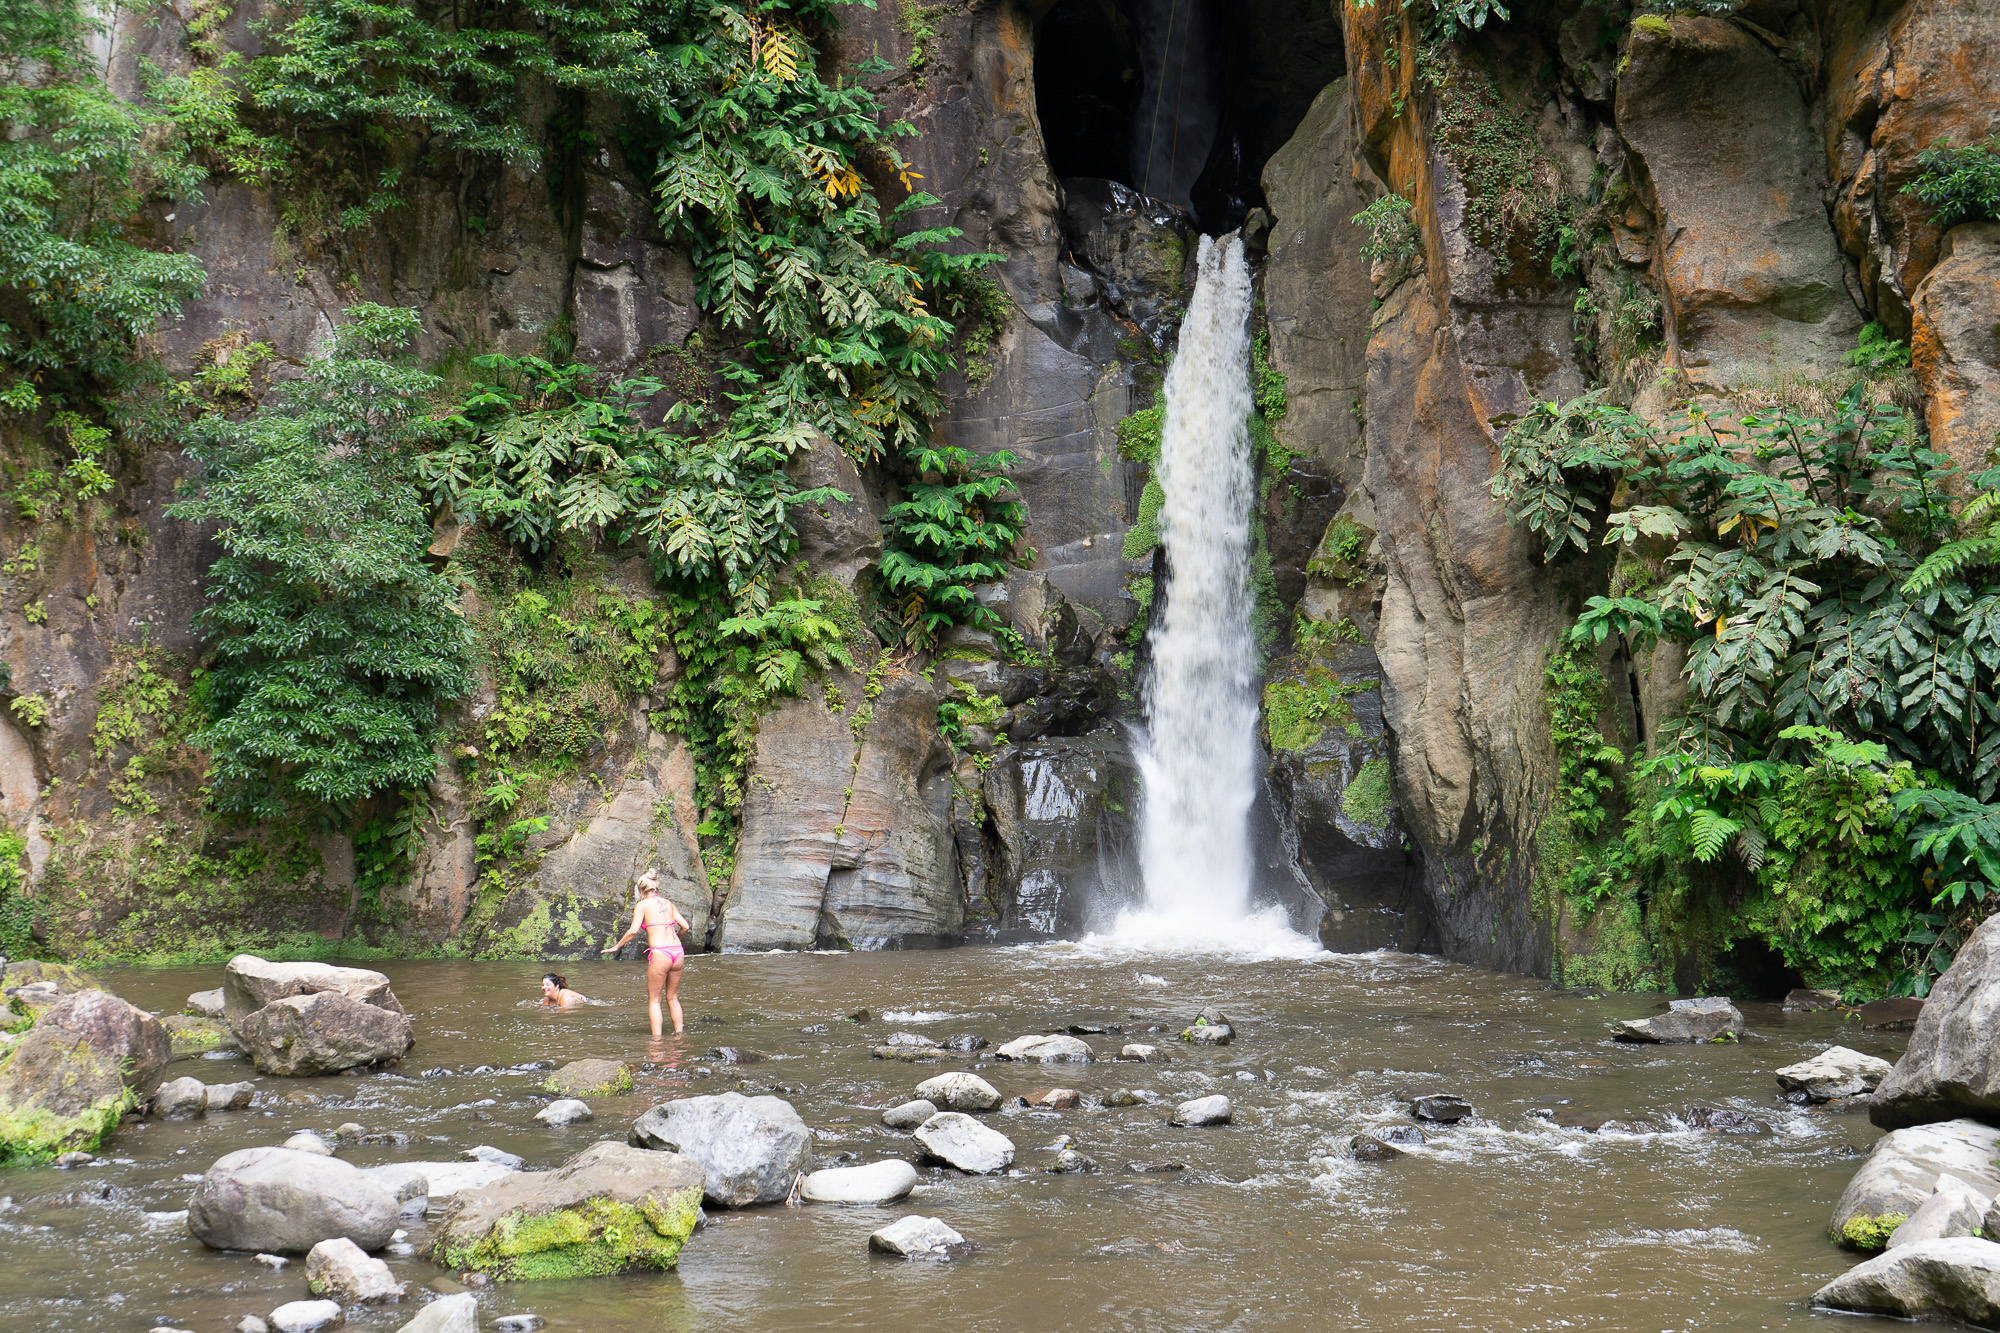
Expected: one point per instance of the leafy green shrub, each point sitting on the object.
(1392, 236)
(958, 527)
(1961, 183)
(1448, 20)
(1878, 352)
(335, 644)
(75, 165)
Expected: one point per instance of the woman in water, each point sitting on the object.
(665, 957)
(556, 992)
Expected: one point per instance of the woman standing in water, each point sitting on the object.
(665, 957)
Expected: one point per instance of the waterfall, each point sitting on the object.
(1199, 756)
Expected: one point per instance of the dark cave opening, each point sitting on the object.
(1183, 100)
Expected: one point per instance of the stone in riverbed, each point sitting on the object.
(437, 1180)
(274, 1199)
(1834, 1072)
(960, 1141)
(909, 1039)
(1069, 1160)
(1053, 1099)
(65, 1084)
(967, 1042)
(915, 1237)
(1369, 1148)
(1209, 1034)
(1952, 1065)
(590, 1078)
(1955, 1209)
(909, 1115)
(250, 983)
(338, 1270)
(1896, 1014)
(1706, 1019)
(1440, 1107)
(205, 1004)
(306, 1316)
(752, 1148)
(1956, 1278)
(566, 1111)
(1140, 1051)
(878, 1182)
(1056, 1047)
(447, 1314)
(180, 1099)
(325, 1032)
(610, 1209)
(959, 1092)
(1214, 1110)
(1812, 1001)
(1130, 1097)
(487, 1153)
(1902, 1172)
(195, 1036)
(907, 1054)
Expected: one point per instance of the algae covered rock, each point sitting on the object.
(610, 1209)
(89, 1058)
(197, 1036)
(752, 1148)
(280, 1201)
(1902, 1172)
(589, 1078)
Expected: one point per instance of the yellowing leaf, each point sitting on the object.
(841, 180)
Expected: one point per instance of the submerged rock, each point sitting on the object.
(1053, 1099)
(960, 1141)
(610, 1209)
(909, 1115)
(590, 1078)
(1896, 1014)
(907, 1054)
(1902, 1172)
(1140, 1051)
(1050, 1049)
(340, 1270)
(280, 1201)
(1952, 1065)
(1370, 1148)
(967, 1042)
(485, 1152)
(752, 1148)
(1722, 1120)
(1685, 1021)
(447, 1314)
(1069, 1160)
(959, 1092)
(1442, 1107)
(196, 1036)
(1956, 1278)
(306, 1316)
(64, 1085)
(1812, 1001)
(915, 1236)
(1834, 1072)
(1214, 1110)
(878, 1182)
(1209, 1034)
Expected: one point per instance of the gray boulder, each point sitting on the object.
(283, 1202)
(1214, 1110)
(1685, 1021)
(1209, 1034)
(249, 983)
(1139, 1050)
(230, 1096)
(1956, 1278)
(298, 1036)
(1954, 1209)
(447, 1314)
(205, 1003)
(1052, 1048)
(752, 1148)
(958, 1092)
(339, 1270)
(1902, 1173)
(960, 1141)
(307, 1141)
(1834, 1072)
(915, 1237)
(566, 1111)
(191, 1036)
(909, 1115)
(878, 1182)
(1951, 1067)
(181, 1099)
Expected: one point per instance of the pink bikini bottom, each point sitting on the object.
(674, 952)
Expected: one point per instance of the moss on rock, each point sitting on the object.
(596, 1238)
(1367, 798)
(35, 1134)
(1869, 1233)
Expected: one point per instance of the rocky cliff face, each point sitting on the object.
(1734, 187)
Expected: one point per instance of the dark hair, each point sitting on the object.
(562, 982)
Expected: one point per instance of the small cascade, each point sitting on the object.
(1199, 757)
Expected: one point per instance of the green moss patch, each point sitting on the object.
(593, 1239)
(1870, 1233)
(1366, 800)
(35, 1135)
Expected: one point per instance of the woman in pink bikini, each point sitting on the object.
(665, 957)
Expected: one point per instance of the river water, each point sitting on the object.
(1512, 1224)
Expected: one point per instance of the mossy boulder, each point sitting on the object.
(197, 1036)
(65, 978)
(89, 1058)
(590, 1078)
(610, 1209)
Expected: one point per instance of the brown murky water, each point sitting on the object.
(1513, 1224)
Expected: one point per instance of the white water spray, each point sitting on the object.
(1199, 759)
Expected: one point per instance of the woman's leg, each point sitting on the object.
(673, 995)
(656, 977)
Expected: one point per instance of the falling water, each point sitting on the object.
(1199, 756)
